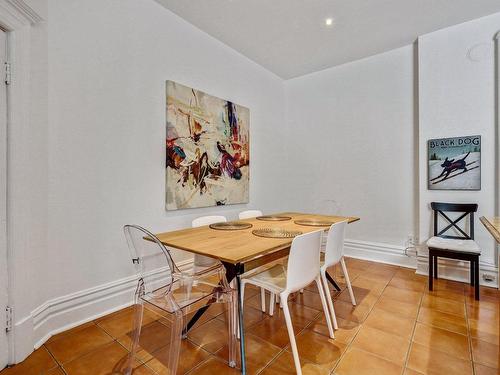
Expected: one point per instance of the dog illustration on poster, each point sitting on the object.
(455, 163)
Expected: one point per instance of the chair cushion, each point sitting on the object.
(466, 246)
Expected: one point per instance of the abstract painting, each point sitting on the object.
(207, 146)
(455, 163)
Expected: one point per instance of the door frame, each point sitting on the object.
(4, 283)
(16, 19)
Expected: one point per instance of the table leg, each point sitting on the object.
(198, 314)
(230, 274)
(333, 282)
(242, 328)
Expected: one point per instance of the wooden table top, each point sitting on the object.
(240, 246)
(493, 226)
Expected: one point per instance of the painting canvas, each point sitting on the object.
(455, 163)
(208, 160)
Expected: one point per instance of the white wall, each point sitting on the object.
(350, 139)
(457, 97)
(102, 154)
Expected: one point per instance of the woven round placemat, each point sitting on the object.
(273, 218)
(275, 233)
(231, 225)
(314, 223)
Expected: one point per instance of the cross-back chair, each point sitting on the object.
(459, 245)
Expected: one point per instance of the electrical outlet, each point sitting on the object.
(411, 240)
(488, 277)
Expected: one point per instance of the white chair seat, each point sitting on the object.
(273, 278)
(466, 246)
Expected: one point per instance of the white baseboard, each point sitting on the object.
(379, 252)
(63, 313)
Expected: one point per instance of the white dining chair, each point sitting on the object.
(303, 268)
(201, 261)
(249, 214)
(334, 254)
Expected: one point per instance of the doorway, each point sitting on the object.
(4, 282)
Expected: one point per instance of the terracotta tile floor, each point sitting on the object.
(398, 327)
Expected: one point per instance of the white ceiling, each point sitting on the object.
(290, 38)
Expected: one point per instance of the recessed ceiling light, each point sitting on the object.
(329, 22)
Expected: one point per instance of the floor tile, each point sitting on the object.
(154, 336)
(110, 358)
(437, 339)
(55, 371)
(362, 296)
(210, 336)
(121, 323)
(214, 366)
(301, 315)
(319, 349)
(274, 331)
(484, 370)
(259, 353)
(79, 343)
(409, 371)
(211, 313)
(373, 286)
(486, 354)
(402, 295)
(358, 362)
(486, 330)
(443, 320)
(443, 304)
(447, 290)
(69, 332)
(251, 316)
(284, 365)
(345, 332)
(479, 312)
(386, 345)
(413, 285)
(347, 311)
(189, 357)
(409, 274)
(390, 323)
(433, 362)
(403, 309)
(309, 299)
(38, 362)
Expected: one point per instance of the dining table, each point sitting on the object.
(492, 225)
(242, 250)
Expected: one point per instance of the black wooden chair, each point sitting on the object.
(460, 247)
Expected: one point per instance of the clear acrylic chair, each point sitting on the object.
(164, 289)
(334, 254)
(302, 269)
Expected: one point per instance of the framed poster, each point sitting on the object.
(207, 149)
(454, 163)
